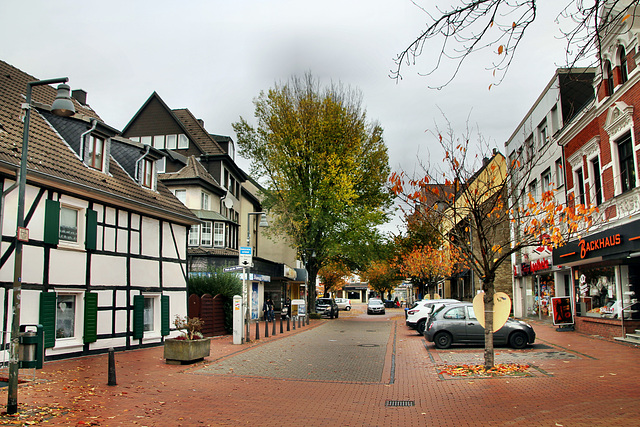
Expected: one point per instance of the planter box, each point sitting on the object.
(178, 352)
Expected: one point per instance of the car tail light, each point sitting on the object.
(412, 311)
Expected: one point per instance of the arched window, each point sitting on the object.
(609, 78)
(624, 75)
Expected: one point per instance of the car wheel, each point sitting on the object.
(442, 340)
(518, 340)
(420, 326)
(337, 312)
(383, 312)
(348, 308)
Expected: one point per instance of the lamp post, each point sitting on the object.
(62, 106)
(245, 271)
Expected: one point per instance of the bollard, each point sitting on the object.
(299, 321)
(257, 329)
(308, 317)
(273, 328)
(294, 324)
(112, 367)
(266, 328)
(288, 323)
(281, 330)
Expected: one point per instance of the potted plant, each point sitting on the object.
(190, 346)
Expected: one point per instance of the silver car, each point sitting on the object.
(457, 323)
(343, 303)
(375, 306)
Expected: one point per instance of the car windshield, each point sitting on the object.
(323, 301)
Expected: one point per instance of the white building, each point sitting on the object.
(105, 261)
(533, 143)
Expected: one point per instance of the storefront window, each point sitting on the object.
(597, 294)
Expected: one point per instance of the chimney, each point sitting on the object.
(201, 122)
(80, 96)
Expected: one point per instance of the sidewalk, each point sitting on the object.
(576, 380)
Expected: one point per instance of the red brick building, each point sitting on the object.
(602, 152)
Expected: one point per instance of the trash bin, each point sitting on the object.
(31, 350)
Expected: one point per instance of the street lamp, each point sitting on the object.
(62, 106)
(245, 272)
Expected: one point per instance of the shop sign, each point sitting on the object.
(562, 312)
(533, 267)
(540, 264)
(594, 245)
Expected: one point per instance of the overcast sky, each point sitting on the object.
(215, 56)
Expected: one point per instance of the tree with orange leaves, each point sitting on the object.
(426, 266)
(382, 276)
(333, 275)
(475, 203)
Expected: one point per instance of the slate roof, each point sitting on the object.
(53, 160)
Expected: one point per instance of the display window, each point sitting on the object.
(597, 293)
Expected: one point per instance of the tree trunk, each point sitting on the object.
(312, 270)
(488, 327)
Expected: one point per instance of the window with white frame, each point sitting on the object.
(66, 315)
(147, 173)
(204, 205)
(533, 189)
(161, 165)
(578, 186)
(95, 152)
(624, 73)
(626, 163)
(183, 141)
(528, 144)
(206, 234)
(172, 142)
(158, 141)
(543, 133)
(194, 235)
(146, 140)
(609, 78)
(149, 314)
(69, 224)
(218, 234)
(596, 181)
(545, 180)
(181, 195)
(559, 173)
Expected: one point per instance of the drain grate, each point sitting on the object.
(397, 403)
(368, 345)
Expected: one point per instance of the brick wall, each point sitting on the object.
(606, 328)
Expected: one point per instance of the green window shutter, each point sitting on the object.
(91, 232)
(138, 317)
(51, 222)
(48, 317)
(90, 317)
(164, 313)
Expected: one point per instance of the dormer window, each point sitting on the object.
(147, 173)
(95, 153)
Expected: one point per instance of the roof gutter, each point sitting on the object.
(46, 180)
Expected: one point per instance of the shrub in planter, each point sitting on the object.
(190, 346)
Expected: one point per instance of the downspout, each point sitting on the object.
(138, 163)
(94, 124)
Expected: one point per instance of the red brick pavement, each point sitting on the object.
(599, 387)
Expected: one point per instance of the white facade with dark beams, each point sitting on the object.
(105, 260)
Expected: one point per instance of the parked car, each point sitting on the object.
(375, 306)
(457, 323)
(343, 303)
(327, 307)
(418, 315)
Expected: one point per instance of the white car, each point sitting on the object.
(374, 306)
(418, 316)
(343, 303)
